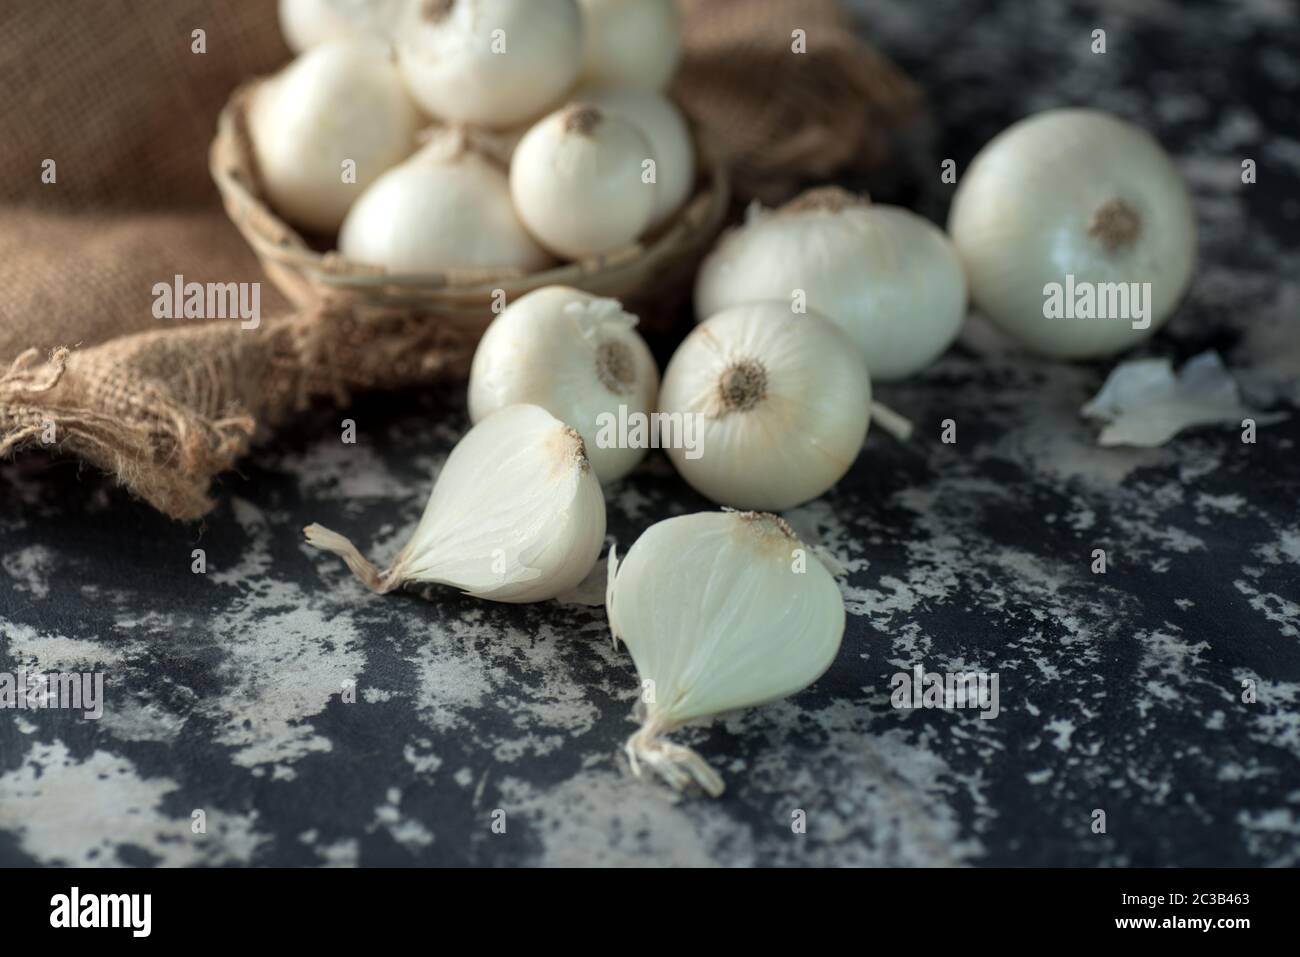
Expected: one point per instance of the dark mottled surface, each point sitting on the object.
(1121, 693)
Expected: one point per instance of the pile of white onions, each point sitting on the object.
(517, 513)
(764, 406)
(596, 153)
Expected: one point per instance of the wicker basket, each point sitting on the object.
(645, 276)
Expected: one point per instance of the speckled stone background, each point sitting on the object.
(1120, 692)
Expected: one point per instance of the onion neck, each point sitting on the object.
(576, 448)
(742, 386)
(1116, 225)
(615, 366)
(582, 119)
(435, 11)
(770, 524)
(825, 199)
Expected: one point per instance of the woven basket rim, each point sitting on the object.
(233, 169)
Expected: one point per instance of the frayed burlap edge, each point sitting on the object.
(166, 439)
(167, 458)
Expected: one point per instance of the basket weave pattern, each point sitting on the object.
(638, 274)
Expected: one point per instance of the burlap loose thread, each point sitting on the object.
(138, 451)
(25, 377)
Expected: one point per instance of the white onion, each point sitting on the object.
(576, 180)
(631, 42)
(785, 401)
(720, 610)
(1077, 193)
(490, 62)
(664, 126)
(339, 101)
(516, 515)
(577, 356)
(889, 278)
(309, 23)
(444, 208)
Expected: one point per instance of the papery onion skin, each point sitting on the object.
(720, 610)
(668, 133)
(516, 515)
(1022, 218)
(339, 101)
(576, 180)
(631, 42)
(888, 277)
(536, 352)
(435, 213)
(448, 55)
(309, 23)
(805, 432)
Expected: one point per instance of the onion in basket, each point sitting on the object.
(577, 179)
(446, 207)
(670, 140)
(633, 43)
(309, 23)
(492, 63)
(325, 128)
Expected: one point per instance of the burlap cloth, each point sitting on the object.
(113, 93)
